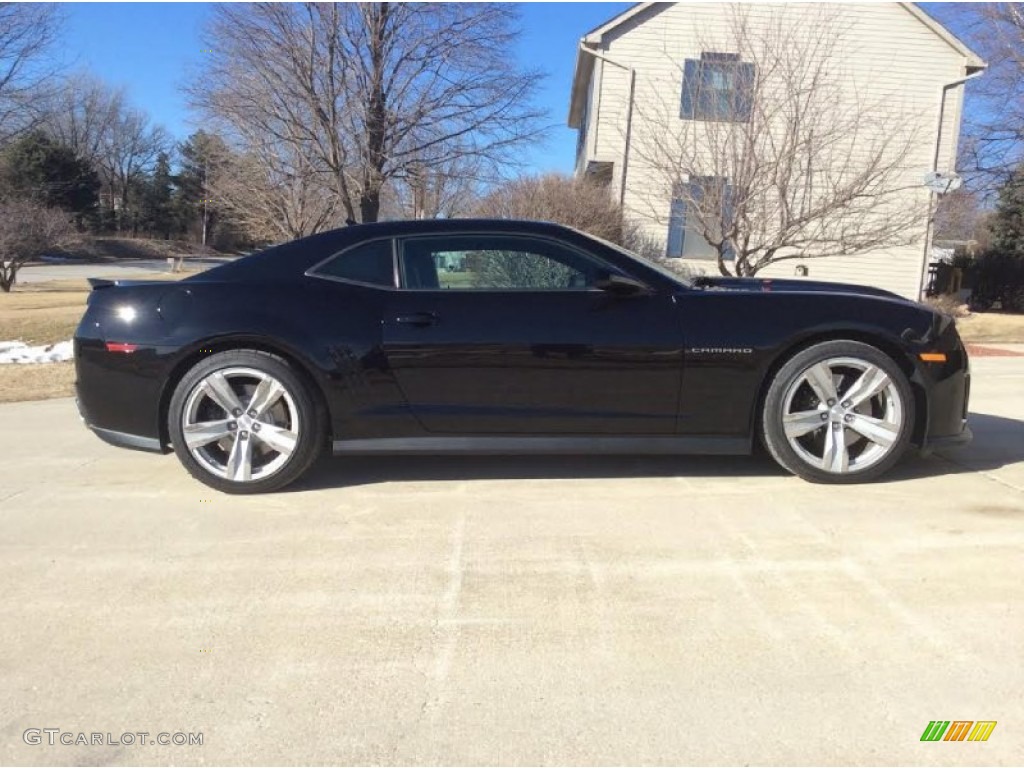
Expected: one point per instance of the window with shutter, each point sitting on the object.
(685, 238)
(719, 87)
(676, 229)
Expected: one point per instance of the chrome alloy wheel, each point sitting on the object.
(843, 415)
(240, 424)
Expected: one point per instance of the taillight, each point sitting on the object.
(117, 346)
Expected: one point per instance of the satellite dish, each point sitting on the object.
(940, 183)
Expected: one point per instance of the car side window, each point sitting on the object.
(370, 263)
(495, 262)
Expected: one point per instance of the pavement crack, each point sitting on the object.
(444, 624)
(444, 636)
(12, 495)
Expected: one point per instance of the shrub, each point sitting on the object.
(28, 230)
(579, 203)
(997, 277)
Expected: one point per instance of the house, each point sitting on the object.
(898, 79)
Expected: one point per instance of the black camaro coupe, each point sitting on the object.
(465, 336)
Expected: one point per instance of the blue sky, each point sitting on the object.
(151, 47)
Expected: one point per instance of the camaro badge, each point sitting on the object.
(721, 351)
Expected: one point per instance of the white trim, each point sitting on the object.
(974, 61)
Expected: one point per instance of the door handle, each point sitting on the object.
(419, 319)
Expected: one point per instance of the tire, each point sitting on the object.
(838, 412)
(227, 448)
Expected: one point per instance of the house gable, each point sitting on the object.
(639, 14)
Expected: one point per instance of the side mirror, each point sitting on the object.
(621, 285)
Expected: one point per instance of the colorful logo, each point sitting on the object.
(958, 730)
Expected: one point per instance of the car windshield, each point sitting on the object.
(649, 263)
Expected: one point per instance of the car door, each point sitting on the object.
(508, 334)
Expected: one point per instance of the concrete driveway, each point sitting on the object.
(512, 610)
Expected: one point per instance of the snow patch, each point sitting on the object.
(20, 352)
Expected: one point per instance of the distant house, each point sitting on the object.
(896, 53)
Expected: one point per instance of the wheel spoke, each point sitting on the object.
(239, 467)
(870, 383)
(819, 377)
(880, 432)
(205, 432)
(226, 445)
(278, 438)
(802, 422)
(836, 458)
(267, 393)
(851, 441)
(219, 389)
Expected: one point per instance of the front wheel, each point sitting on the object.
(838, 412)
(242, 421)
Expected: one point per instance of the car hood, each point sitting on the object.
(771, 284)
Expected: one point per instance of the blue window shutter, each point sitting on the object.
(745, 76)
(727, 214)
(676, 229)
(690, 75)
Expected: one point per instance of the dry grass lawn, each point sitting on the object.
(38, 317)
(98, 249)
(992, 327)
(36, 382)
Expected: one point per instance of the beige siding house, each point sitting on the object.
(890, 54)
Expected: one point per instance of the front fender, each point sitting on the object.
(736, 340)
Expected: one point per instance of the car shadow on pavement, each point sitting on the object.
(366, 470)
(998, 441)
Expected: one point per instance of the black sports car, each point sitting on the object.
(463, 336)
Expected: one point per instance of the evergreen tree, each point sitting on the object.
(158, 210)
(37, 169)
(202, 154)
(1007, 223)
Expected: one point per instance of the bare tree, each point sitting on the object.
(370, 88)
(993, 142)
(130, 150)
(959, 216)
(446, 185)
(96, 121)
(27, 31)
(577, 203)
(273, 192)
(84, 113)
(28, 230)
(780, 157)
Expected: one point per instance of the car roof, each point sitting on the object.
(421, 226)
(293, 258)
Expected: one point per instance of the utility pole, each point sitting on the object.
(205, 199)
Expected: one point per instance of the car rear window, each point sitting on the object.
(371, 263)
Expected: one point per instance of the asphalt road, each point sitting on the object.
(128, 269)
(513, 610)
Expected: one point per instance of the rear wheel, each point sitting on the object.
(838, 412)
(242, 421)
